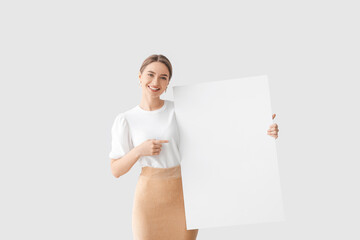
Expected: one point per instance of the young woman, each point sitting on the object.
(148, 133)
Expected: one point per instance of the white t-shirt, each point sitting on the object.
(136, 125)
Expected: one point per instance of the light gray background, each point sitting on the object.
(67, 68)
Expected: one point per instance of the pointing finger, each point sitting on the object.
(161, 141)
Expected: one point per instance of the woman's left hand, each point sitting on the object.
(273, 130)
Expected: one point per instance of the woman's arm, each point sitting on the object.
(149, 147)
(122, 165)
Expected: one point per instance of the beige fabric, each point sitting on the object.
(158, 210)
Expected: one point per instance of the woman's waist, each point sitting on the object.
(171, 172)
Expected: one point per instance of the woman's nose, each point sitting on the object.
(156, 81)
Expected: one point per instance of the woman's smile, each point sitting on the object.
(153, 89)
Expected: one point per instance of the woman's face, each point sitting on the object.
(155, 75)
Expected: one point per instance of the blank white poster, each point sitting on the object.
(228, 162)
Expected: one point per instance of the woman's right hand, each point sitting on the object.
(150, 147)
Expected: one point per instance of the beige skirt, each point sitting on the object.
(158, 209)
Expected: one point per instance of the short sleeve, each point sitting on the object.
(120, 137)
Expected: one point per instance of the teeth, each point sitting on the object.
(154, 88)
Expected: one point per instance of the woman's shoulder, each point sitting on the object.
(120, 119)
(123, 115)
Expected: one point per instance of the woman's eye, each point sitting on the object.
(151, 75)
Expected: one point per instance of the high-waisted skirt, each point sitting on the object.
(158, 210)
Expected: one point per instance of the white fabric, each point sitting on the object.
(136, 125)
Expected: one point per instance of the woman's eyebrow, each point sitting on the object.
(160, 74)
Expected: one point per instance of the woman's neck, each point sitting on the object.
(151, 104)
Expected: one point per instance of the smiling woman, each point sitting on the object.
(155, 77)
(138, 135)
